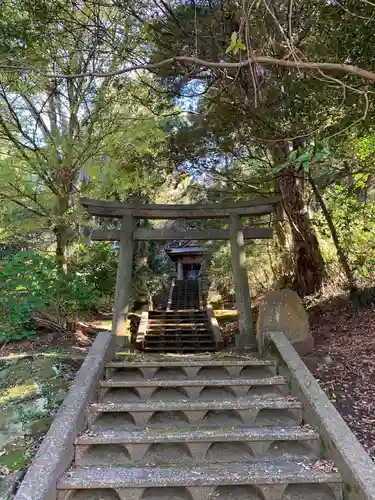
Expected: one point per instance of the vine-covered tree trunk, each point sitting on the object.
(285, 268)
(308, 260)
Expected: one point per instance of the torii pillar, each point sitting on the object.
(123, 282)
(246, 339)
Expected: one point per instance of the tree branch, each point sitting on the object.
(262, 60)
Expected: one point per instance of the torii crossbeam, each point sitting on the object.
(236, 234)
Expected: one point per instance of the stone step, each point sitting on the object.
(188, 453)
(255, 412)
(181, 324)
(180, 349)
(241, 382)
(180, 339)
(177, 345)
(177, 314)
(177, 328)
(194, 368)
(177, 336)
(184, 306)
(124, 448)
(186, 299)
(201, 362)
(196, 310)
(185, 313)
(269, 481)
(252, 434)
(203, 390)
(177, 342)
(182, 335)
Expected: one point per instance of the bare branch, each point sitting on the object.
(346, 69)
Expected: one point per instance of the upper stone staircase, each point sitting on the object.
(178, 331)
(183, 327)
(185, 295)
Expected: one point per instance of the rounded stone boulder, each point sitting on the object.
(283, 311)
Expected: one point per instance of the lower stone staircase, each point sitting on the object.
(194, 428)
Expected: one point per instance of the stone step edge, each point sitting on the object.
(229, 474)
(201, 363)
(179, 326)
(294, 433)
(276, 403)
(194, 382)
(188, 337)
(159, 348)
(179, 332)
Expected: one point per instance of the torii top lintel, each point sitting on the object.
(105, 208)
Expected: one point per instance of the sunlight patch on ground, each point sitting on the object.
(225, 314)
(21, 391)
(103, 325)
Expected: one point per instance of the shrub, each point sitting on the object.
(98, 263)
(34, 292)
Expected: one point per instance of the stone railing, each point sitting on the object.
(214, 326)
(142, 328)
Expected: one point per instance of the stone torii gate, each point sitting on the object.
(236, 234)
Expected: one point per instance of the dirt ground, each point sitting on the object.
(345, 339)
(344, 360)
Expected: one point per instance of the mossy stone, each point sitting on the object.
(38, 427)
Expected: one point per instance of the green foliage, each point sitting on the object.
(150, 271)
(235, 44)
(355, 224)
(98, 264)
(220, 271)
(34, 292)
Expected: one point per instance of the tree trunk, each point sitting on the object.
(63, 234)
(62, 247)
(308, 260)
(335, 237)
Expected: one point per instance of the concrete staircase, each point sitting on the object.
(194, 428)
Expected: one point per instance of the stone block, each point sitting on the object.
(282, 311)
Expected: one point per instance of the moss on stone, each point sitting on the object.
(27, 390)
(32, 387)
